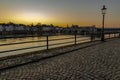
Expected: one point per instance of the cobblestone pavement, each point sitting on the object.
(98, 62)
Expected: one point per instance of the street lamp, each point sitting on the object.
(103, 13)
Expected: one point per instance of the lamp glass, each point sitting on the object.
(104, 9)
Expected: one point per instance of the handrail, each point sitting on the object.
(61, 43)
(61, 39)
(22, 42)
(83, 40)
(22, 49)
(41, 46)
(75, 40)
(36, 41)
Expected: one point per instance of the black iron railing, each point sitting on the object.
(47, 42)
(75, 40)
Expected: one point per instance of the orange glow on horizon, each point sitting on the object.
(34, 18)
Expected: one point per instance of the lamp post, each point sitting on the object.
(103, 13)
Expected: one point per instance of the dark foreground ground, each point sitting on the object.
(98, 62)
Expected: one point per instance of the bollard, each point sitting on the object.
(47, 44)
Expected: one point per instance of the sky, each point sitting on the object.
(60, 12)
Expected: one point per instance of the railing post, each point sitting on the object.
(75, 39)
(109, 35)
(114, 35)
(92, 37)
(47, 42)
(119, 35)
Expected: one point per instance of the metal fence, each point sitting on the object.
(47, 42)
(76, 39)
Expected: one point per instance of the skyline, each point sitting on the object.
(60, 12)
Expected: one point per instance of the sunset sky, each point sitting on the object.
(60, 12)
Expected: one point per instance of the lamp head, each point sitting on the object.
(104, 9)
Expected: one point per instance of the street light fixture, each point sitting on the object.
(103, 13)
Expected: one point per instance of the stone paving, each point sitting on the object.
(98, 62)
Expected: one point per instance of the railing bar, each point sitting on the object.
(65, 38)
(33, 41)
(68, 42)
(22, 49)
(40, 46)
(22, 42)
(80, 37)
(36, 41)
(83, 40)
(14, 37)
(61, 39)
(61, 43)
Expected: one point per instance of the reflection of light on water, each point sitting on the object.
(26, 45)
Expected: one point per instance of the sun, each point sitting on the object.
(32, 17)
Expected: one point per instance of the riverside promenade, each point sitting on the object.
(89, 61)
